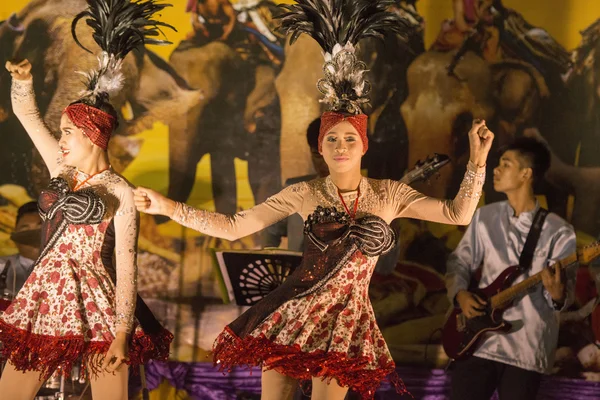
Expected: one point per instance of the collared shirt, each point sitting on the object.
(495, 238)
(19, 270)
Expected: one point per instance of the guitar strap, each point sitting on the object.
(532, 238)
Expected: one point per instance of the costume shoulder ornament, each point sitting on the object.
(119, 26)
(338, 26)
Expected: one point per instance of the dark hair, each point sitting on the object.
(27, 208)
(101, 103)
(535, 153)
(312, 133)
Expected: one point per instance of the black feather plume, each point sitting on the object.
(120, 26)
(332, 22)
(338, 26)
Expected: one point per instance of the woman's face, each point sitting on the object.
(342, 148)
(75, 146)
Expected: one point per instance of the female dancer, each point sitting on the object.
(319, 324)
(79, 302)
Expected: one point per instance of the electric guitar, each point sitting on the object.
(423, 170)
(461, 335)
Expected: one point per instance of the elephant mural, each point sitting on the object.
(238, 117)
(263, 119)
(41, 32)
(448, 89)
(579, 121)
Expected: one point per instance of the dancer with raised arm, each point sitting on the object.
(79, 304)
(319, 324)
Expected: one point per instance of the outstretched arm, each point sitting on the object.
(411, 204)
(228, 227)
(26, 110)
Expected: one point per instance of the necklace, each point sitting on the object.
(80, 185)
(355, 208)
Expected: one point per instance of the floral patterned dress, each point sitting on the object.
(319, 322)
(82, 289)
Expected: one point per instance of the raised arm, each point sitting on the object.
(228, 227)
(126, 234)
(26, 110)
(410, 203)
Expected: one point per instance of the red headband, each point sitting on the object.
(95, 123)
(330, 119)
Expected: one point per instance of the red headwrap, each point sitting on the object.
(95, 123)
(329, 119)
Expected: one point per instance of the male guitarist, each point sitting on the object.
(512, 361)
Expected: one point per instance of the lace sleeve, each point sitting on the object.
(26, 110)
(409, 203)
(126, 235)
(244, 223)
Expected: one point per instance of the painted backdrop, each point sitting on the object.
(219, 121)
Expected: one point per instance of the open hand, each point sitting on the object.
(480, 142)
(20, 71)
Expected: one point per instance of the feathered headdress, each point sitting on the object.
(338, 26)
(119, 26)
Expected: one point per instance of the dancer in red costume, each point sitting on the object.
(319, 324)
(79, 304)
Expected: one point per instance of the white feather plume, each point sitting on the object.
(108, 78)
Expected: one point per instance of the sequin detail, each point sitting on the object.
(70, 306)
(45, 353)
(291, 360)
(371, 234)
(82, 207)
(323, 312)
(472, 180)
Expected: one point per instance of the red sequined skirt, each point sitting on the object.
(329, 333)
(44, 353)
(230, 350)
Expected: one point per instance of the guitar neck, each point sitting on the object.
(410, 177)
(506, 296)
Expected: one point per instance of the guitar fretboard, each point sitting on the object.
(506, 296)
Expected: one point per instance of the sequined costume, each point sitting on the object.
(319, 322)
(82, 289)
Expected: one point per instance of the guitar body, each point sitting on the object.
(461, 335)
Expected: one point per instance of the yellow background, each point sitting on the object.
(562, 18)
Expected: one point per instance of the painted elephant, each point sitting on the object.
(238, 117)
(577, 117)
(41, 33)
(509, 94)
(260, 113)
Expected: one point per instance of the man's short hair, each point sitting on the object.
(312, 133)
(535, 154)
(27, 208)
